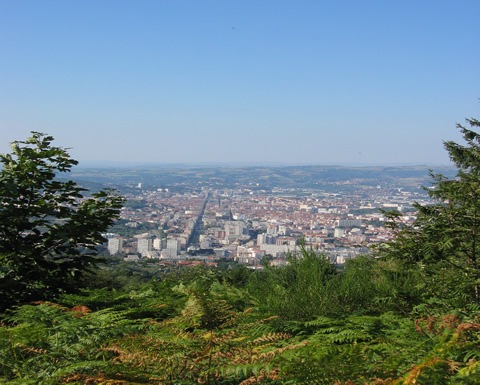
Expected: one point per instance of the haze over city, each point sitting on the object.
(309, 82)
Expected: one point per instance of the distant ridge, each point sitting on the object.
(324, 177)
(95, 164)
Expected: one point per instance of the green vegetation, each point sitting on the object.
(48, 230)
(444, 244)
(408, 316)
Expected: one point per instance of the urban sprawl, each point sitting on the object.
(251, 226)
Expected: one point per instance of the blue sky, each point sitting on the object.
(296, 82)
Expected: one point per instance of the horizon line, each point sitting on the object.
(150, 164)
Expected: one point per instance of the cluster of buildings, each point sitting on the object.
(250, 225)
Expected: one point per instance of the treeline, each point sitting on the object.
(304, 323)
(408, 315)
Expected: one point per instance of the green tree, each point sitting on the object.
(49, 230)
(443, 244)
(302, 289)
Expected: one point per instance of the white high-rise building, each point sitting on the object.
(144, 246)
(174, 246)
(261, 239)
(115, 245)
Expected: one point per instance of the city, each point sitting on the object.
(239, 192)
(247, 224)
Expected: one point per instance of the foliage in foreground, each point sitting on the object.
(409, 317)
(208, 341)
(48, 228)
(443, 245)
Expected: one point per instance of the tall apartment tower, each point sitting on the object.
(144, 245)
(261, 239)
(115, 245)
(174, 245)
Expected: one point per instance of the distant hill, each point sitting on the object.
(316, 177)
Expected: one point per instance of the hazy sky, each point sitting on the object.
(308, 82)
